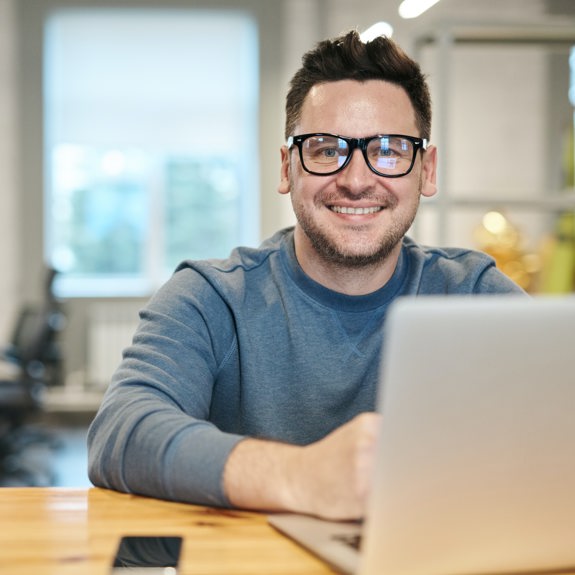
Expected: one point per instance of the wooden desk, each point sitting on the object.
(76, 531)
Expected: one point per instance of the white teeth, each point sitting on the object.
(355, 211)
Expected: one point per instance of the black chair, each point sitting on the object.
(33, 357)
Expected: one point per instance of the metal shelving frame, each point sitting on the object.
(446, 37)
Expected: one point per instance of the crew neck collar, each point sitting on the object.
(338, 300)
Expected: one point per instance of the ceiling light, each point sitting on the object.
(375, 30)
(414, 8)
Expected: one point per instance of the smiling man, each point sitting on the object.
(251, 381)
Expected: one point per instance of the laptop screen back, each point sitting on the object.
(476, 463)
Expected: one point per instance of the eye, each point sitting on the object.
(390, 149)
(386, 152)
(386, 147)
(324, 149)
(328, 152)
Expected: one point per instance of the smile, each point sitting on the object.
(355, 211)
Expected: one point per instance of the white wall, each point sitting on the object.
(8, 169)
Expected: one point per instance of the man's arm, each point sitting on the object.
(152, 434)
(162, 432)
(329, 478)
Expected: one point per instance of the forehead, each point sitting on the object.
(352, 108)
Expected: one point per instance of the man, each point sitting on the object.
(251, 381)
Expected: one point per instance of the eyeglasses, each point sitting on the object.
(387, 155)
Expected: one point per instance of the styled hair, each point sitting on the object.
(349, 58)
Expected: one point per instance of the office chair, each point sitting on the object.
(36, 362)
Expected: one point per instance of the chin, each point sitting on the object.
(353, 246)
(362, 256)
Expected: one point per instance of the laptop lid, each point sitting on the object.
(476, 462)
(476, 459)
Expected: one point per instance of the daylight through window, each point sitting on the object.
(151, 144)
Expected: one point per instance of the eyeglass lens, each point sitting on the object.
(389, 155)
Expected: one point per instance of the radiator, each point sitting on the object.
(111, 326)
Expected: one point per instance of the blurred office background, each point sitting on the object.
(136, 133)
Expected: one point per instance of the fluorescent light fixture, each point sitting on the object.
(414, 8)
(375, 30)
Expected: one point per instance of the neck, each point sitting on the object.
(346, 279)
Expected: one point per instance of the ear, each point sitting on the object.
(429, 172)
(284, 186)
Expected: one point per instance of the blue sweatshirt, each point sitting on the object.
(251, 346)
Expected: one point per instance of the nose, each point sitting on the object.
(356, 176)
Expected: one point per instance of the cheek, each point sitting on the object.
(306, 186)
(411, 186)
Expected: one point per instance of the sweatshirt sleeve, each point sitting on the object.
(151, 435)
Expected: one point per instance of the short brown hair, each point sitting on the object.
(349, 58)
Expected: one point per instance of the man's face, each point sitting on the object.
(355, 217)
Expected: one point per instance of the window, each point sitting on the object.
(151, 147)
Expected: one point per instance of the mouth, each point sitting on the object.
(356, 211)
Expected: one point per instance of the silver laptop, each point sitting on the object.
(476, 458)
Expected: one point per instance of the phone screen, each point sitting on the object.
(157, 555)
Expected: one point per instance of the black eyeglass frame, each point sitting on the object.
(359, 143)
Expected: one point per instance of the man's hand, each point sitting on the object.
(330, 478)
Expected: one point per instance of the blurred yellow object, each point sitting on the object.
(497, 237)
(558, 257)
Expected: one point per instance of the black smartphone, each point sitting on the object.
(148, 555)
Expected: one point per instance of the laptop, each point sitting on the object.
(476, 456)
